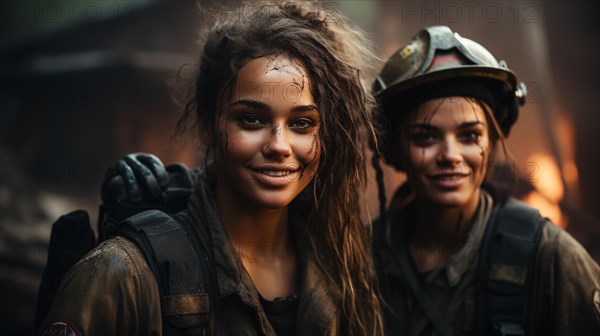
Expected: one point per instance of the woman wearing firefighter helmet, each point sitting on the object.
(454, 255)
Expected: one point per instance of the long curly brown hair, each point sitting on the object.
(336, 56)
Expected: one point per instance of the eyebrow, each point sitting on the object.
(251, 103)
(262, 106)
(304, 108)
(423, 126)
(468, 124)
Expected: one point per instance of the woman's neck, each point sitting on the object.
(438, 231)
(246, 225)
(262, 239)
(254, 231)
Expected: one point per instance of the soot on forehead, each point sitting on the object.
(275, 64)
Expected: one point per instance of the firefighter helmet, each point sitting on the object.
(437, 63)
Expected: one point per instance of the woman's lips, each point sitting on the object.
(275, 176)
(275, 173)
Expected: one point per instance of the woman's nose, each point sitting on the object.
(450, 151)
(277, 143)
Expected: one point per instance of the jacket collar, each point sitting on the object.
(458, 263)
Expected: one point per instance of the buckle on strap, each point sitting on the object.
(508, 329)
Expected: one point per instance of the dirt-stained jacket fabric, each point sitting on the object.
(112, 291)
(567, 281)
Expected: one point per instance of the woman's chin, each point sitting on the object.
(450, 199)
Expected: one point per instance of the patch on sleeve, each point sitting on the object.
(596, 302)
(61, 328)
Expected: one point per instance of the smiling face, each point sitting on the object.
(268, 132)
(448, 147)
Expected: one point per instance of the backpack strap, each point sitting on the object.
(506, 270)
(183, 274)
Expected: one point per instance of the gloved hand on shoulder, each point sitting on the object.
(139, 182)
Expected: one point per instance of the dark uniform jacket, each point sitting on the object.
(112, 291)
(567, 283)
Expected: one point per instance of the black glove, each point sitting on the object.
(137, 178)
(139, 182)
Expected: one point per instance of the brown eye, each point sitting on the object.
(250, 120)
(302, 123)
(422, 138)
(470, 136)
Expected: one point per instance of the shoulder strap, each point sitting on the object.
(183, 274)
(506, 270)
(430, 309)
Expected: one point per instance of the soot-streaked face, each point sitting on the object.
(268, 133)
(448, 149)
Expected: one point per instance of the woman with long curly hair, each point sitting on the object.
(282, 108)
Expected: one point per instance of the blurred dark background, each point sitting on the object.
(84, 82)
